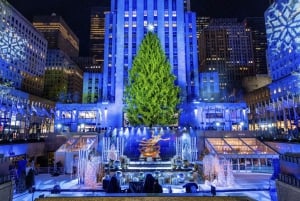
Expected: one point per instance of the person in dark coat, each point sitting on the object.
(114, 185)
(148, 184)
(213, 186)
(30, 180)
(190, 187)
(157, 188)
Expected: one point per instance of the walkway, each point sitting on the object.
(255, 186)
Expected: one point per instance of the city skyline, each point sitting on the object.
(80, 23)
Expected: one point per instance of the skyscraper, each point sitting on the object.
(225, 47)
(63, 77)
(175, 28)
(58, 34)
(202, 22)
(126, 25)
(97, 20)
(259, 42)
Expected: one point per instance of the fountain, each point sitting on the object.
(229, 178)
(129, 150)
(93, 171)
(222, 169)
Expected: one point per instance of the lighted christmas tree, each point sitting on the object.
(151, 95)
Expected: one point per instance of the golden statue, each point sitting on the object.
(150, 147)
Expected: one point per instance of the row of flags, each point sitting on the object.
(277, 104)
(24, 108)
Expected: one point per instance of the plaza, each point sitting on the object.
(236, 176)
(76, 126)
(254, 186)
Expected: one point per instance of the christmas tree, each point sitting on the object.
(151, 95)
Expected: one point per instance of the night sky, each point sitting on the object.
(76, 12)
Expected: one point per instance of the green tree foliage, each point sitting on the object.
(151, 95)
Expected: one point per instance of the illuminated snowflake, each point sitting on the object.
(12, 46)
(283, 25)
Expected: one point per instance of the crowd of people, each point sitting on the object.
(151, 185)
(23, 173)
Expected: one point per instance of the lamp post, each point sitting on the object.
(196, 116)
(4, 91)
(105, 115)
(242, 125)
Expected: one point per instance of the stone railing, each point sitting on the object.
(147, 197)
(6, 190)
(289, 179)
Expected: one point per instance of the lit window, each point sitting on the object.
(134, 13)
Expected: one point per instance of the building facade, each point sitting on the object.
(259, 43)
(209, 87)
(58, 34)
(63, 77)
(201, 23)
(92, 87)
(225, 46)
(125, 27)
(97, 30)
(24, 116)
(22, 51)
(278, 114)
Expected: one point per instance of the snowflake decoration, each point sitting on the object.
(283, 25)
(12, 46)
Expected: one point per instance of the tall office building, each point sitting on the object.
(176, 30)
(63, 77)
(58, 34)
(225, 46)
(22, 51)
(201, 23)
(259, 42)
(256, 86)
(97, 18)
(126, 26)
(187, 5)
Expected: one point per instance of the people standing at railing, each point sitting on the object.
(14, 174)
(114, 185)
(213, 186)
(21, 173)
(148, 184)
(157, 188)
(30, 180)
(190, 187)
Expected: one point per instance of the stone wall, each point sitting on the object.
(146, 198)
(6, 191)
(287, 192)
